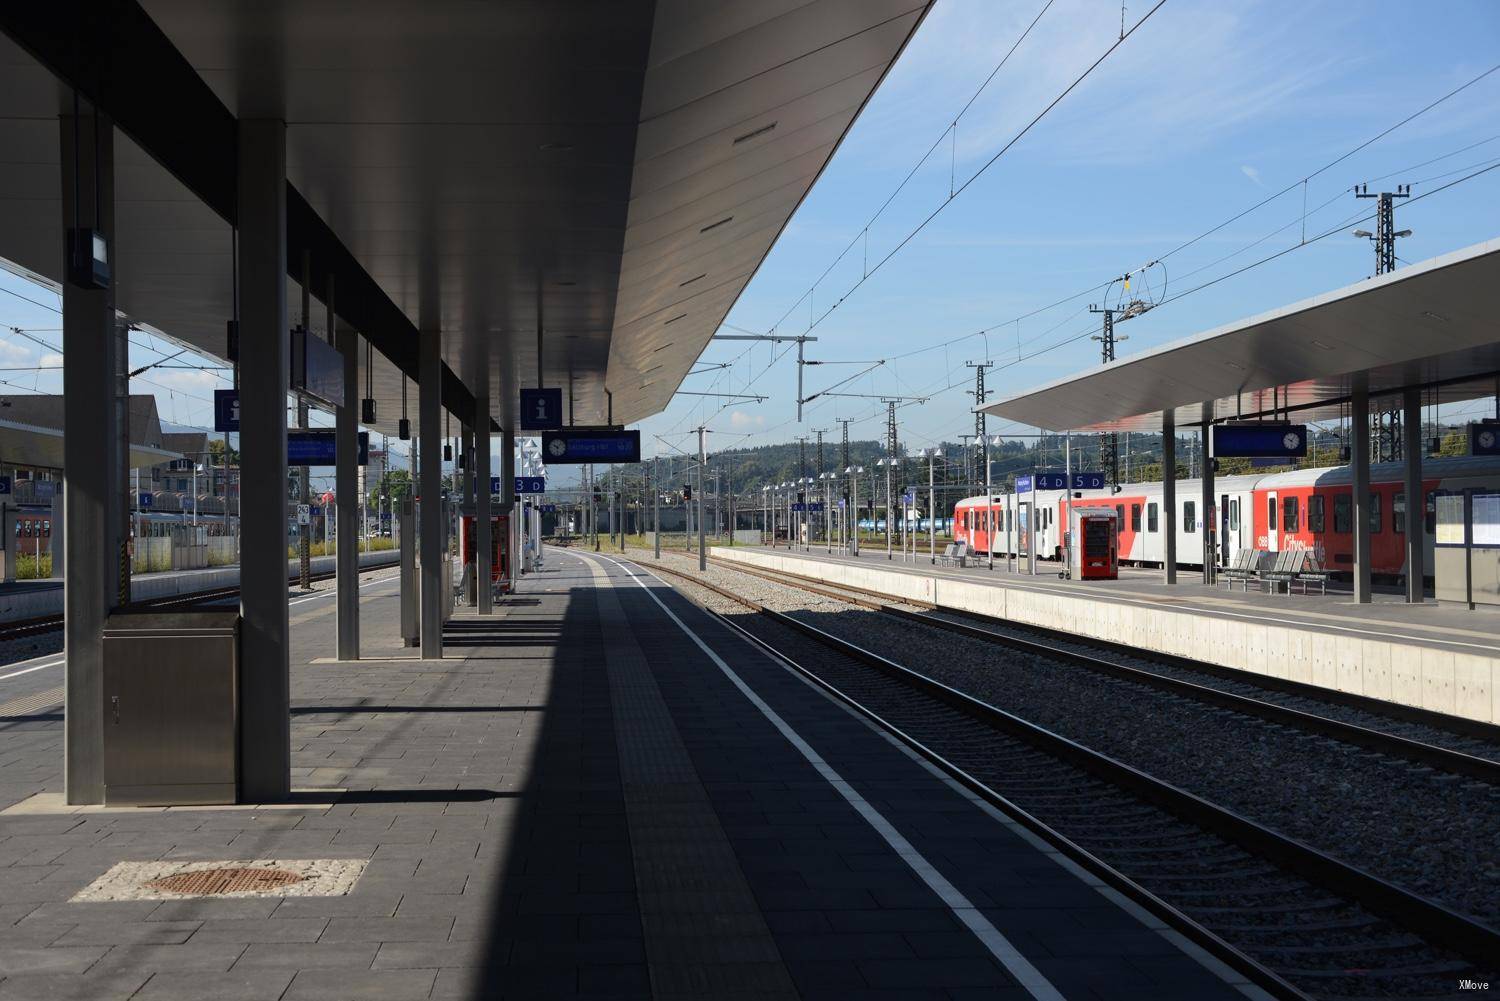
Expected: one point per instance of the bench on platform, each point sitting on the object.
(1284, 569)
(1242, 570)
(955, 554)
(1313, 572)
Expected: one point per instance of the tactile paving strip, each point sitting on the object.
(696, 906)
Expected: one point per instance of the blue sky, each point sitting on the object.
(1206, 109)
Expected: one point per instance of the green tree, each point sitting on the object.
(396, 484)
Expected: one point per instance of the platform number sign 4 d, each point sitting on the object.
(541, 409)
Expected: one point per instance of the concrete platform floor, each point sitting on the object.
(599, 792)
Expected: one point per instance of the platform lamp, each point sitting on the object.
(931, 455)
(852, 508)
(765, 509)
(888, 462)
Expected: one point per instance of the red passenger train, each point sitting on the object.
(1305, 508)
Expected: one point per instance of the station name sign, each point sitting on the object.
(569, 446)
(1260, 440)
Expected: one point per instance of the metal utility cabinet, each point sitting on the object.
(171, 708)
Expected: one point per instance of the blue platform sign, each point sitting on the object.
(531, 484)
(1484, 439)
(319, 447)
(541, 409)
(1088, 481)
(1052, 481)
(1260, 441)
(226, 410)
(816, 507)
(4, 484)
(315, 511)
(1023, 484)
(144, 499)
(570, 447)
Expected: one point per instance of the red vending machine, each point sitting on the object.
(501, 577)
(1097, 554)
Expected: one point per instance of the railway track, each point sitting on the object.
(1294, 919)
(36, 625)
(1469, 748)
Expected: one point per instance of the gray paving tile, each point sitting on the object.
(247, 930)
(261, 985)
(295, 956)
(428, 928)
(377, 985)
(14, 962)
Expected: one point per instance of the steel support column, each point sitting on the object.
(484, 544)
(93, 505)
(430, 512)
(1359, 458)
(1206, 522)
(507, 505)
(1416, 506)
(466, 503)
(346, 494)
(1168, 524)
(265, 694)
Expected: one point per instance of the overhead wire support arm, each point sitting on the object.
(801, 341)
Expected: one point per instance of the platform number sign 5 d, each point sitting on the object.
(541, 409)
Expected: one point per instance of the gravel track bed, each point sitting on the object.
(1433, 833)
(1437, 736)
(1296, 928)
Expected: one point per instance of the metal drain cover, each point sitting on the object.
(220, 878)
(204, 882)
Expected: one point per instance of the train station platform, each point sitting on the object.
(1438, 657)
(600, 791)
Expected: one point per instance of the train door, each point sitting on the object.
(1273, 535)
(1225, 539)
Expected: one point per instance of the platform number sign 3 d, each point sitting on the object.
(541, 409)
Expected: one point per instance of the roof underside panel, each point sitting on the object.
(496, 168)
(1430, 324)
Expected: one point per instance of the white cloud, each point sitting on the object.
(51, 360)
(740, 420)
(1251, 173)
(13, 353)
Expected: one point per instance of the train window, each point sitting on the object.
(1290, 515)
(1343, 517)
(1234, 514)
(1151, 517)
(1271, 513)
(1374, 513)
(1189, 516)
(1119, 519)
(1398, 512)
(1315, 521)
(1135, 517)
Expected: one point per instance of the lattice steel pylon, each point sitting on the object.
(980, 395)
(1385, 233)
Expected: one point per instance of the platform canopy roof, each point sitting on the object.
(42, 447)
(611, 172)
(1429, 325)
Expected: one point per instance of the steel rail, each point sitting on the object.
(1447, 759)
